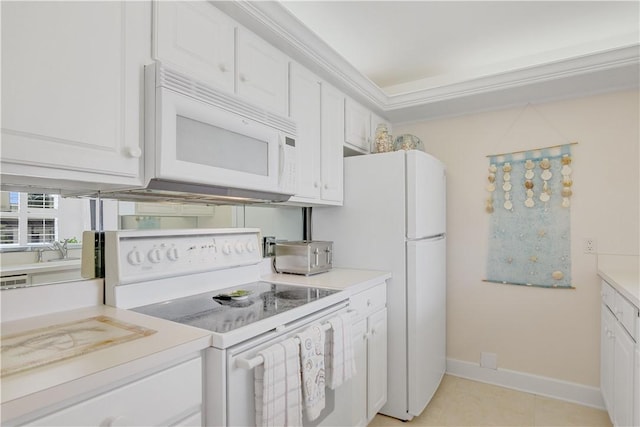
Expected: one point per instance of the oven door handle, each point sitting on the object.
(259, 360)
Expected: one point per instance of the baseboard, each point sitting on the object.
(543, 386)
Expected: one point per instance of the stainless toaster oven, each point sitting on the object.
(303, 257)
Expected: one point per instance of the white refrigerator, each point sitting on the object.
(393, 219)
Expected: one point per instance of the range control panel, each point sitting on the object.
(135, 256)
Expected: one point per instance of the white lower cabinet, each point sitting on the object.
(623, 366)
(170, 397)
(72, 91)
(377, 363)
(619, 349)
(607, 348)
(369, 388)
(359, 385)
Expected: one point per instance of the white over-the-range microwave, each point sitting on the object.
(204, 145)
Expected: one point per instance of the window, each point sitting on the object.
(28, 218)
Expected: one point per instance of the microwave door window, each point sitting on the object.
(209, 145)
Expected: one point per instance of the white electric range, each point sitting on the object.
(210, 279)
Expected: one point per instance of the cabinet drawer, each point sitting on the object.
(627, 314)
(370, 300)
(607, 293)
(159, 399)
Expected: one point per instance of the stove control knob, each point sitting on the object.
(251, 246)
(239, 247)
(226, 249)
(172, 254)
(134, 257)
(155, 256)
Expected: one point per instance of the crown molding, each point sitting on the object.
(274, 23)
(612, 69)
(615, 58)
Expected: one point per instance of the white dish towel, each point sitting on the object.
(340, 362)
(312, 368)
(278, 391)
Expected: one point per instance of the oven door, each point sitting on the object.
(240, 405)
(201, 143)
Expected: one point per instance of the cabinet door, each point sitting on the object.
(198, 38)
(357, 124)
(332, 135)
(636, 387)
(262, 73)
(305, 111)
(159, 399)
(607, 345)
(624, 354)
(359, 381)
(72, 91)
(377, 367)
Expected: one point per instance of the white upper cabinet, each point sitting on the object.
(357, 126)
(212, 47)
(72, 90)
(332, 136)
(317, 109)
(198, 38)
(262, 73)
(305, 111)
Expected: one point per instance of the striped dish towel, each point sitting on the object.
(278, 392)
(339, 360)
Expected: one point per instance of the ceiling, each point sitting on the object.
(409, 45)
(414, 60)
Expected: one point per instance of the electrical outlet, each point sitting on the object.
(590, 245)
(488, 360)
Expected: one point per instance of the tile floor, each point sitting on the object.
(461, 402)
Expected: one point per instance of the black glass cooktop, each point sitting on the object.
(229, 309)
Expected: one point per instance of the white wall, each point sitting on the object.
(547, 332)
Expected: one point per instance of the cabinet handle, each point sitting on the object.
(368, 303)
(610, 334)
(134, 152)
(315, 184)
(243, 78)
(223, 68)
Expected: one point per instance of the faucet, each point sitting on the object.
(40, 253)
(62, 248)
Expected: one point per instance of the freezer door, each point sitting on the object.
(426, 195)
(426, 320)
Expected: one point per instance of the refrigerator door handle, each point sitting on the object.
(433, 238)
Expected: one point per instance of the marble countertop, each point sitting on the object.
(47, 384)
(622, 272)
